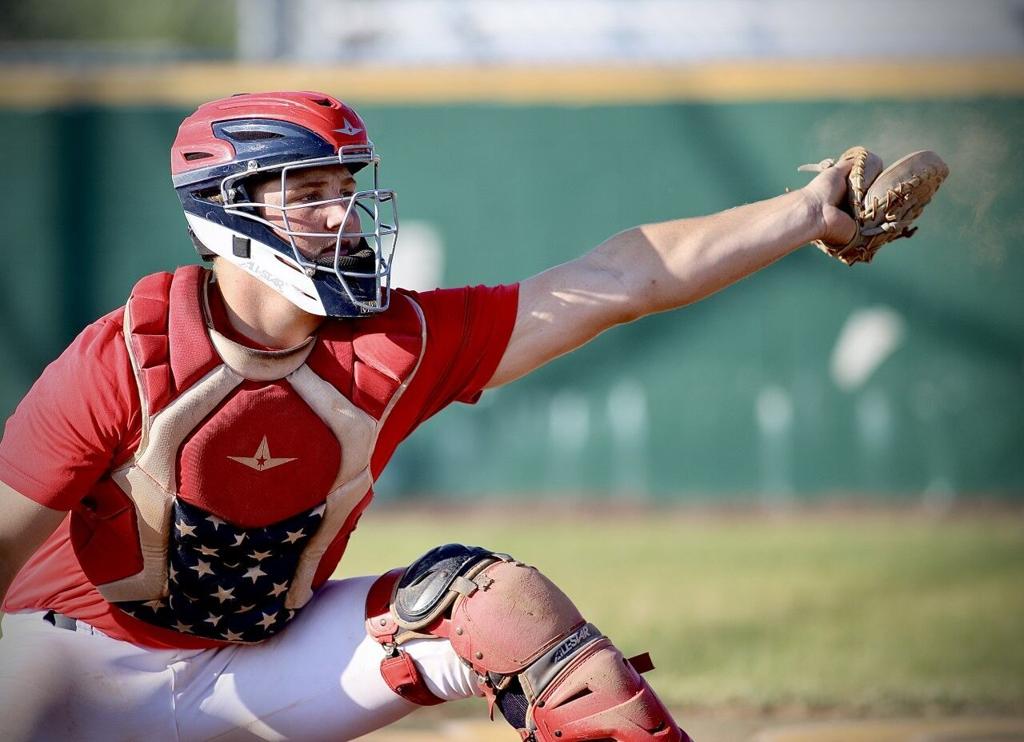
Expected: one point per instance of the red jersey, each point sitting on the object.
(83, 420)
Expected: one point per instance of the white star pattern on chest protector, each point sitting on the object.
(184, 529)
(254, 573)
(232, 580)
(203, 568)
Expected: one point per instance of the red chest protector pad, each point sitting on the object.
(250, 465)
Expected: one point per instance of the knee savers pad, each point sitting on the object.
(554, 676)
(433, 581)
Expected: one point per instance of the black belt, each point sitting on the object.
(60, 620)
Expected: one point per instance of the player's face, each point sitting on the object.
(328, 192)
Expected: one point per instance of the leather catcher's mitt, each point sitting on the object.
(884, 203)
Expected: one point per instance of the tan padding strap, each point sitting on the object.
(357, 434)
(354, 429)
(150, 480)
(340, 504)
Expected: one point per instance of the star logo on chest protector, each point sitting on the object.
(261, 460)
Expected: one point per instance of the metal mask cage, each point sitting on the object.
(380, 235)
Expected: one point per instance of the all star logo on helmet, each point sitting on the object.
(348, 129)
(261, 460)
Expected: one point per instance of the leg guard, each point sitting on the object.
(554, 676)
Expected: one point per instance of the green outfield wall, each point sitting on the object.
(739, 396)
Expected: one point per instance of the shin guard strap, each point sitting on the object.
(397, 668)
(403, 677)
(642, 662)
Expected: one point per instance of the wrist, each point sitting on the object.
(810, 213)
(825, 219)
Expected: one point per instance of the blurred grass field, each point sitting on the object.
(871, 614)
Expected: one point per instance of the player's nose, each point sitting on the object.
(342, 212)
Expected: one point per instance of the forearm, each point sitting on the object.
(663, 266)
(670, 264)
(24, 526)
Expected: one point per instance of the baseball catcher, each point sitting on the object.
(178, 487)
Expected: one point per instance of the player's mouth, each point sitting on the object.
(325, 255)
(355, 247)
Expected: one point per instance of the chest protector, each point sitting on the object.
(251, 465)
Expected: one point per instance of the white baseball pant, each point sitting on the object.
(318, 679)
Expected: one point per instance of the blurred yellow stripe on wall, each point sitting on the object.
(41, 86)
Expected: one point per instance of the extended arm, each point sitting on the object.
(657, 267)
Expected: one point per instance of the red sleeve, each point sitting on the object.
(467, 332)
(74, 421)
